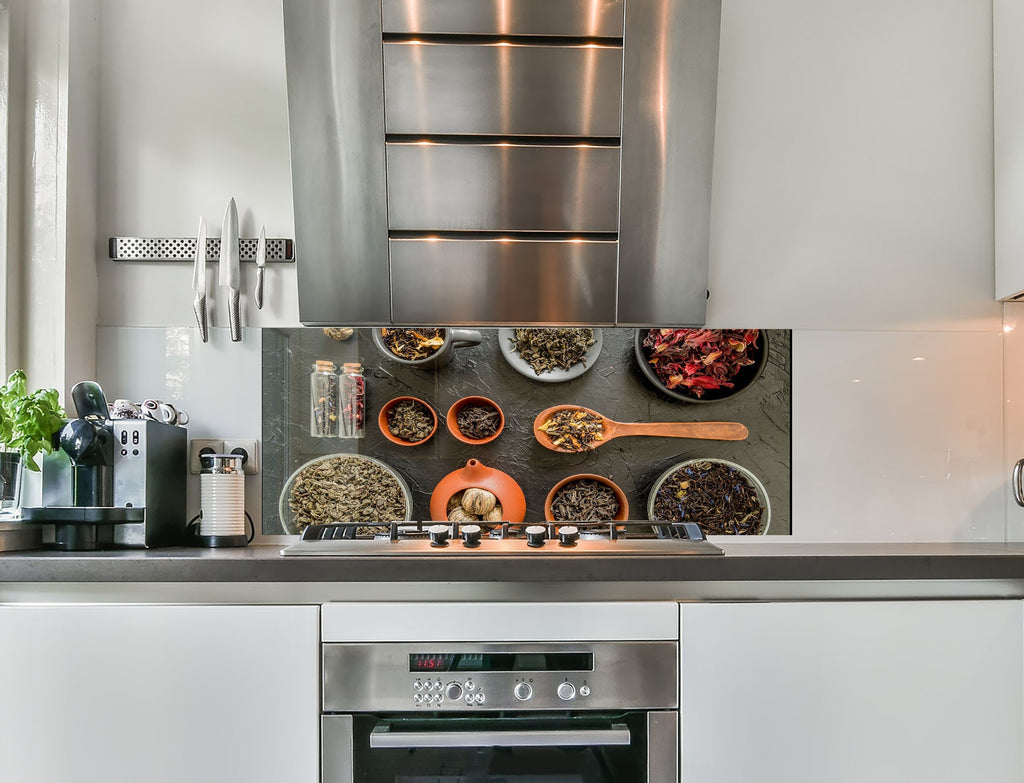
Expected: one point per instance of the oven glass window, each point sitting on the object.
(480, 758)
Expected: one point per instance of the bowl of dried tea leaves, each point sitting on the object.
(343, 488)
(550, 355)
(701, 365)
(724, 498)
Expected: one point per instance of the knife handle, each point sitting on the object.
(234, 317)
(199, 306)
(258, 295)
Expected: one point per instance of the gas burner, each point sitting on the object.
(633, 537)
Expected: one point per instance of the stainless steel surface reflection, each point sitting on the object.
(491, 89)
(502, 187)
(668, 138)
(503, 281)
(595, 18)
(336, 120)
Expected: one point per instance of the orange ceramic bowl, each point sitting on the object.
(382, 421)
(453, 423)
(619, 495)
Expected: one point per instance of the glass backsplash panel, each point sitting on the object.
(613, 385)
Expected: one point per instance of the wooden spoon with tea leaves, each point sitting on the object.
(572, 428)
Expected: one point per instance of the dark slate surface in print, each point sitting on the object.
(614, 386)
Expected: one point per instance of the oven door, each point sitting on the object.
(630, 747)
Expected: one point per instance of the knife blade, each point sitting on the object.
(229, 272)
(261, 262)
(199, 282)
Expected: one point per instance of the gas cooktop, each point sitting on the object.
(634, 538)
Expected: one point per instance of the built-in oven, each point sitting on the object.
(517, 712)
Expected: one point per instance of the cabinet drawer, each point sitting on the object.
(502, 89)
(503, 281)
(502, 187)
(504, 17)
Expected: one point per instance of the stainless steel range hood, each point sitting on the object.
(502, 161)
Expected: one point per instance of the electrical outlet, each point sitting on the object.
(249, 448)
(198, 446)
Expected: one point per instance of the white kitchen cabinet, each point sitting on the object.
(887, 692)
(1008, 130)
(161, 694)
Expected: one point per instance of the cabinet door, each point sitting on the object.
(905, 692)
(162, 694)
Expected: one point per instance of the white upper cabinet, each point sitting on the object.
(1008, 92)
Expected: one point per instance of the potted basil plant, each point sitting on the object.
(28, 423)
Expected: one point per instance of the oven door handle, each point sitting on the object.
(383, 737)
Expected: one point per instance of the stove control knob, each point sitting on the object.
(453, 692)
(535, 535)
(568, 535)
(471, 535)
(522, 691)
(438, 535)
(566, 691)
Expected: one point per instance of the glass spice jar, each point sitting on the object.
(352, 405)
(324, 397)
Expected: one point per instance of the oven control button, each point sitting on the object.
(566, 691)
(584, 690)
(522, 691)
(471, 535)
(438, 698)
(535, 535)
(438, 535)
(469, 698)
(479, 698)
(568, 535)
(417, 699)
(470, 685)
(417, 686)
(453, 691)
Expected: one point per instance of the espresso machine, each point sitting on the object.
(114, 482)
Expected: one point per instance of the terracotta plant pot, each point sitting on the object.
(453, 425)
(619, 495)
(382, 421)
(476, 474)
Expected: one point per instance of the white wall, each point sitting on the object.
(852, 203)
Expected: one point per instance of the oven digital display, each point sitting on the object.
(502, 662)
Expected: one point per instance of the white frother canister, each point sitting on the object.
(222, 498)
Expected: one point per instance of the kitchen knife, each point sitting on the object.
(261, 262)
(229, 274)
(199, 282)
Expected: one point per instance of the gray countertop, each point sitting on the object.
(744, 562)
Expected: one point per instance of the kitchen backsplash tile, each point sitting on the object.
(913, 452)
(217, 383)
(897, 436)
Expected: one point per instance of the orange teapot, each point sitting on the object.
(476, 474)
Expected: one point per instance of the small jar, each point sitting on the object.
(324, 390)
(352, 402)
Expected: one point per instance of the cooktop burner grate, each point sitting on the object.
(632, 537)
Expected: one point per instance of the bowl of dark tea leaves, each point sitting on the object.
(701, 365)
(586, 497)
(550, 355)
(407, 421)
(475, 420)
(722, 497)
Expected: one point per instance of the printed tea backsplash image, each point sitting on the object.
(612, 383)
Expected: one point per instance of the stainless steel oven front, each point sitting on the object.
(521, 712)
